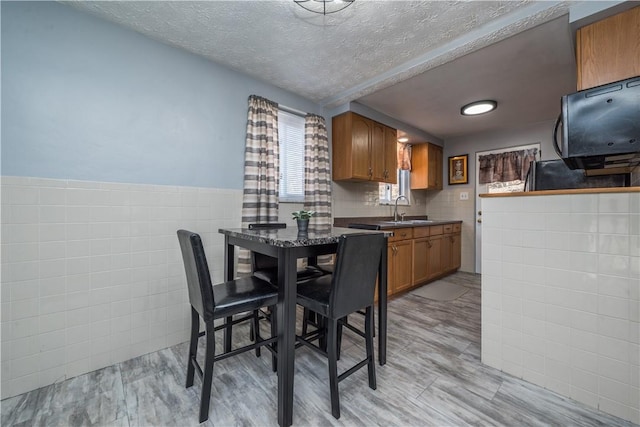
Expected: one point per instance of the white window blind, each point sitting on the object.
(291, 140)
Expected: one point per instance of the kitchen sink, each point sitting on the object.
(409, 221)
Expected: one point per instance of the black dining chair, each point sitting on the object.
(350, 288)
(221, 301)
(265, 267)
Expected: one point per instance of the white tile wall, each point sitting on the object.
(92, 273)
(567, 316)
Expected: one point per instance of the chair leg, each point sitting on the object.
(193, 346)
(207, 376)
(322, 323)
(368, 332)
(274, 332)
(345, 319)
(332, 347)
(227, 334)
(256, 329)
(305, 320)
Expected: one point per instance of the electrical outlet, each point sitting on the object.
(464, 195)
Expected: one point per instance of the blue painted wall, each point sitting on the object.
(85, 99)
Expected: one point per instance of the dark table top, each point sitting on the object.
(290, 237)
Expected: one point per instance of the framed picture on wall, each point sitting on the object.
(458, 169)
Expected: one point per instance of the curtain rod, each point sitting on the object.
(292, 110)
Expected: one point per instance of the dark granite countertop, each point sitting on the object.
(382, 223)
(290, 237)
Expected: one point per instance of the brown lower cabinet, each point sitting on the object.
(399, 259)
(422, 254)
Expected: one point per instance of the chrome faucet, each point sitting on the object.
(395, 210)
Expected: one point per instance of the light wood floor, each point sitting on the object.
(433, 378)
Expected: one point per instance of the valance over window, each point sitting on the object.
(505, 167)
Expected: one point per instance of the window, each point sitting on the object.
(389, 192)
(291, 140)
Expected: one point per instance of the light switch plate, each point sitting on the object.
(464, 195)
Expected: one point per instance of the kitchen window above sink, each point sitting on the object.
(388, 193)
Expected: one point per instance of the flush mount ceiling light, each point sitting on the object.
(478, 107)
(403, 139)
(324, 7)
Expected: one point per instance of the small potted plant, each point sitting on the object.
(302, 218)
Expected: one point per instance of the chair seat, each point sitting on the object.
(314, 295)
(325, 268)
(271, 274)
(244, 294)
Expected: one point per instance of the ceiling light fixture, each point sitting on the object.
(478, 107)
(403, 139)
(324, 7)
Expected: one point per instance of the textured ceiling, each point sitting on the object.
(334, 59)
(526, 74)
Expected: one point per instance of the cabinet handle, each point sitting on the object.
(370, 171)
(429, 243)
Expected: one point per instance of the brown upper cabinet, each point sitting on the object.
(426, 167)
(609, 50)
(363, 149)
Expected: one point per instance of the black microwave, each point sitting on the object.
(601, 126)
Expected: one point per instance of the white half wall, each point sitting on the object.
(561, 295)
(92, 273)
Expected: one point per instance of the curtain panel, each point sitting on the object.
(505, 167)
(261, 169)
(317, 172)
(404, 156)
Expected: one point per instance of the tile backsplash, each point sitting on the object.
(92, 273)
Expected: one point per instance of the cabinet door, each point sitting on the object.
(456, 251)
(434, 263)
(390, 155)
(434, 167)
(445, 253)
(426, 167)
(402, 259)
(419, 167)
(421, 260)
(377, 152)
(609, 50)
(360, 137)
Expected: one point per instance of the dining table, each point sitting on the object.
(289, 245)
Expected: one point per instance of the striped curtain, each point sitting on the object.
(317, 174)
(261, 169)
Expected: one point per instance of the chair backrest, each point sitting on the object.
(197, 270)
(260, 261)
(267, 225)
(354, 277)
